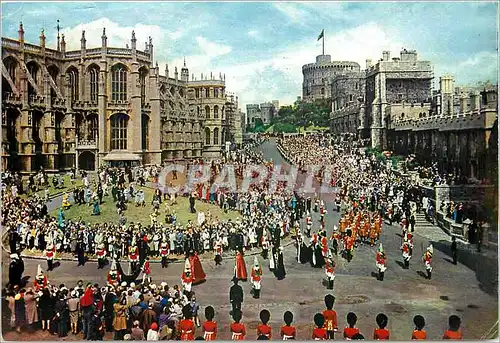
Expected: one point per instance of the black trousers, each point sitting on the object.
(164, 262)
(50, 265)
(236, 306)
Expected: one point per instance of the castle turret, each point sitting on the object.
(185, 72)
(83, 41)
(104, 39)
(63, 44)
(21, 32)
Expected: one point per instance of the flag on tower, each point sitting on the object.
(321, 34)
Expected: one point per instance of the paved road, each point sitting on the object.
(403, 293)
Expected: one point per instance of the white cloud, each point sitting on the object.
(212, 49)
(118, 36)
(290, 10)
(253, 33)
(482, 66)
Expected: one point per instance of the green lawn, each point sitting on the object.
(67, 186)
(141, 214)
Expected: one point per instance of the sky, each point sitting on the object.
(261, 46)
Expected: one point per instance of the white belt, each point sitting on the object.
(285, 337)
(235, 334)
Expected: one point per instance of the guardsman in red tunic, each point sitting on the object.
(380, 262)
(50, 253)
(428, 259)
(101, 256)
(330, 272)
(133, 255)
(419, 333)
(256, 275)
(322, 212)
(113, 275)
(187, 279)
(218, 252)
(146, 270)
(287, 331)
(324, 246)
(186, 326)
(238, 329)
(209, 326)
(40, 280)
(309, 224)
(319, 332)
(265, 246)
(381, 334)
(351, 330)
(264, 329)
(164, 250)
(405, 248)
(330, 317)
(453, 331)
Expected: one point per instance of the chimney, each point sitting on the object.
(386, 55)
(21, 32)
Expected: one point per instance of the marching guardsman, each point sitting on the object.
(114, 276)
(40, 280)
(428, 259)
(265, 246)
(209, 326)
(405, 248)
(322, 212)
(50, 254)
(146, 270)
(335, 240)
(264, 329)
(101, 256)
(324, 244)
(256, 275)
(330, 272)
(380, 262)
(164, 251)
(404, 227)
(348, 245)
(133, 255)
(218, 252)
(187, 279)
(316, 203)
(309, 224)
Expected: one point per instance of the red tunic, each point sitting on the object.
(454, 335)
(264, 329)
(319, 334)
(197, 272)
(186, 328)
(419, 335)
(164, 249)
(256, 274)
(350, 332)
(381, 334)
(330, 320)
(209, 330)
(288, 332)
(238, 330)
(49, 254)
(40, 283)
(146, 269)
(241, 268)
(133, 254)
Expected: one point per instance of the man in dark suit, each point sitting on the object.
(236, 295)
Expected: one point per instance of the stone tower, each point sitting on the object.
(447, 91)
(185, 72)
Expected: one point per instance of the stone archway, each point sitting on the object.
(86, 160)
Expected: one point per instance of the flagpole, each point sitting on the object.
(323, 42)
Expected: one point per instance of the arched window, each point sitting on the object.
(94, 84)
(207, 112)
(93, 127)
(33, 70)
(198, 110)
(207, 93)
(197, 92)
(216, 112)
(142, 80)
(54, 73)
(216, 136)
(145, 132)
(119, 83)
(119, 132)
(73, 83)
(322, 91)
(207, 136)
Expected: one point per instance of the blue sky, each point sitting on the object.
(262, 46)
